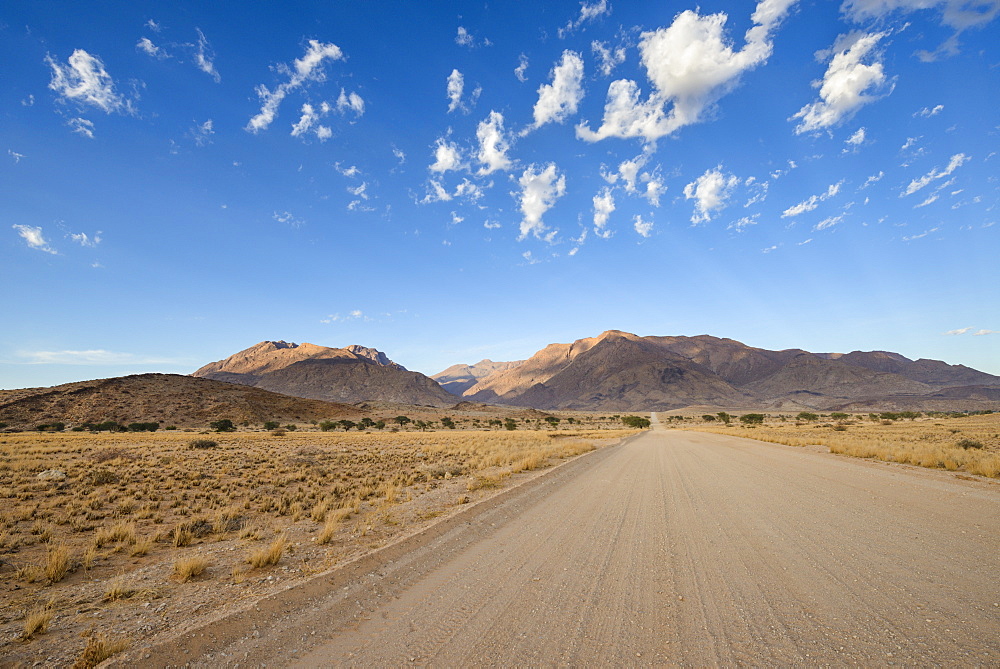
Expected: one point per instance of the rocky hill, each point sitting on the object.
(169, 399)
(459, 378)
(618, 371)
(350, 375)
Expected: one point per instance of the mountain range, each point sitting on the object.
(613, 372)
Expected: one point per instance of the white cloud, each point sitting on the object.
(848, 83)
(872, 179)
(153, 25)
(82, 126)
(15, 155)
(691, 65)
(588, 12)
(828, 223)
(28, 101)
(203, 57)
(927, 113)
(400, 156)
(740, 224)
(33, 236)
(813, 201)
(539, 192)
(956, 161)
(287, 218)
(309, 122)
(85, 82)
(604, 204)
(464, 38)
(354, 315)
(959, 331)
(349, 172)
(203, 132)
(83, 239)
(436, 192)
(559, 100)
(857, 139)
(608, 58)
(492, 225)
(710, 192)
(529, 258)
(359, 191)
(980, 333)
(305, 70)
(522, 67)
(769, 249)
(644, 228)
(456, 85)
(350, 102)
(456, 219)
(147, 46)
(921, 235)
(447, 157)
(493, 146)
(468, 190)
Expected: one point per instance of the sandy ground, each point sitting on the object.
(673, 548)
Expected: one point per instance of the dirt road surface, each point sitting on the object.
(674, 548)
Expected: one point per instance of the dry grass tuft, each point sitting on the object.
(270, 555)
(329, 529)
(99, 648)
(57, 563)
(186, 569)
(37, 622)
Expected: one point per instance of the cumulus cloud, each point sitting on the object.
(85, 82)
(308, 122)
(690, 65)
(204, 57)
(83, 239)
(522, 67)
(305, 70)
(539, 191)
(604, 204)
(875, 178)
(956, 161)
(589, 11)
(493, 145)
(456, 85)
(463, 38)
(608, 58)
(349, 172)
(559, 100)
(848, 84)
(350, 102)
(927, 113)
(470, 191)
(447, 157)
(644, 228)
(855, 140)
(435, 193)
(147, 46)
(710, 192)
(813, 201)
(33, 237)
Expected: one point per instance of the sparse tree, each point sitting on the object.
(724, 417)
(271, 425)
(402, 420)
(552, 421)
(807, 416)
(224, 425)
(752, 419)
(510, 424)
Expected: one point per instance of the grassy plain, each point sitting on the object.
(969, 444)
(109, 539)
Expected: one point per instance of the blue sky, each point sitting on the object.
(448, 181)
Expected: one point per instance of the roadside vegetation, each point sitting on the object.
(141, 530)
(959, 442)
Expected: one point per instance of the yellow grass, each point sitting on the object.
(926, 442)
(37, 622)
(99, 648)
(186, 569)
(133, 504)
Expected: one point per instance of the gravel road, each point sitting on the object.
(678, 548)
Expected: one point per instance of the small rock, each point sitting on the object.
(52, 475)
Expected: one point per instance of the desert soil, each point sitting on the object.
(672, 548)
